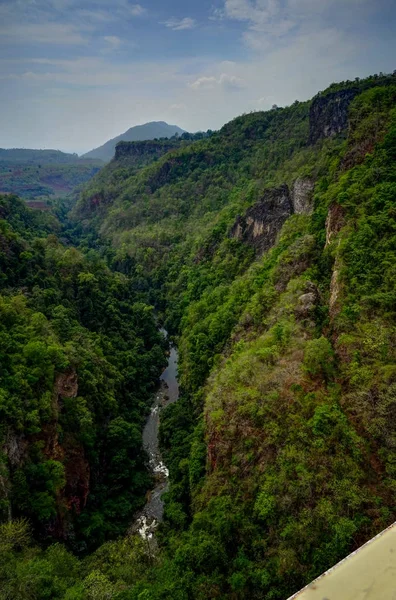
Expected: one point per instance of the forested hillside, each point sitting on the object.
(43, 174)
(268, 250)
(80, 355)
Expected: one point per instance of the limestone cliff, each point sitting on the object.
(329, 114)
(263, 221)
(302, 195)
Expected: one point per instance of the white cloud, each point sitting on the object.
(203, 82)
(258, 12)
(269, 21)
(113, 41)
(62, 22)
(137, 10)
(266, 20)
(180, 24)
(78, 103)
(229, 82)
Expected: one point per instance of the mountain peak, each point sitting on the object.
(137, 133)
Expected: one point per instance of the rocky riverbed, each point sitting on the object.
(151, 515)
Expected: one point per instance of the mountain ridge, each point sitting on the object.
(146, 131)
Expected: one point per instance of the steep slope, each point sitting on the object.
(80, 357)
(129, 158)
(265, 246)
(148, 131)
(269, 251)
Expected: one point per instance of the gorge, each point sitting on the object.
(152, 514)
(266, 250)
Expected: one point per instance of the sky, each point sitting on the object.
(74, 73)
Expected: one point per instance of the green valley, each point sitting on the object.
(43, 175)
(267, 250)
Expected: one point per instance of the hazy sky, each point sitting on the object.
(74, 73)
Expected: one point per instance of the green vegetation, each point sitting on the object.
(43, 174)
(25, 155)
(281, 448)
(80, 356)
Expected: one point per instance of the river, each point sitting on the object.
(151, 515)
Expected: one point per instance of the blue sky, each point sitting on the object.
(74, 73)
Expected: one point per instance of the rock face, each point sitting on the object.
(71, 452)
(152, 149)
(307, 302)
(335, 290)
(66, 384)
(263, 221)
(302, 196)
(68, 451)
(148, 131)
(328, 115)
(334, 222)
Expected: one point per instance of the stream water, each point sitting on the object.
(151, 515)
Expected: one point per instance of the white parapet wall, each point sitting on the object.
(369, 573)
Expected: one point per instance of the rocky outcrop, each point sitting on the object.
(66, 384)
(66, 449)
(263, 221)
(302, 196)
(334, 222)
(308, 302)
(335, 290)
(71, 452)
(328, 114)
(15, 448)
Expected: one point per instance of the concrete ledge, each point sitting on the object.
(369, 573)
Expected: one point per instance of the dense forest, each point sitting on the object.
(80, 355)
(268, 251)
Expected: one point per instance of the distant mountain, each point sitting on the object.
(33, 156)
(37, 174)
(148, 131)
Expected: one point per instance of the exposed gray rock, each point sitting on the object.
(335, 289)
(15, 448)
(310, 288)
(328, 114)
(302, 196)
(308, 301)
(263, 221)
